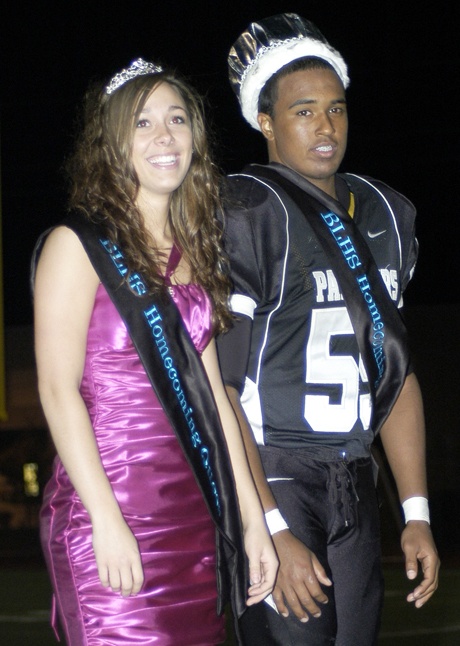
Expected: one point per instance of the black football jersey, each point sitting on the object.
(305, 382)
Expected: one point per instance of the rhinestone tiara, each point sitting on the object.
(137, 68)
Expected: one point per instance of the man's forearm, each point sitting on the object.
(403, 438)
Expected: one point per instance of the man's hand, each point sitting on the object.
(299, 576)
(418, 546)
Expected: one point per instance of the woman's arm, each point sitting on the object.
(263, 562)
(65, 289)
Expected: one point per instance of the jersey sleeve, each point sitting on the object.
(255, 234)
(405, 215)
(233, 350)
(255, 250)
(240, 224)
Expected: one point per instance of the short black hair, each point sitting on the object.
(269, 93)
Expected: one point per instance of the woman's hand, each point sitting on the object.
(117, 556)
(263, 562)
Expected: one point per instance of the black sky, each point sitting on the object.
(404, 64)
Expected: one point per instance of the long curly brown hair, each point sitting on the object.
(104, 186)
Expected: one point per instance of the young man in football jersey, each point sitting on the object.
(317, 362)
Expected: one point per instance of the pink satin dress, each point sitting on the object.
(158, 496)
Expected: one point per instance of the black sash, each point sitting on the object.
(180, 382)
(379, 329)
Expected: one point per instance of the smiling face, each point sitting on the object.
(308, 129)
(162, 145)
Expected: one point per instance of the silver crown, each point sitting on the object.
(267, 46)
(137, 68)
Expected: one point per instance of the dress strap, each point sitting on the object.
(173, 261)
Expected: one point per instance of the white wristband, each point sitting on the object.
(416, 508)
(275, 522)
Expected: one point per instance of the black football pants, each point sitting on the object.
(332, 508)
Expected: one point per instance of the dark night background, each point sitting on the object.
(403, 61)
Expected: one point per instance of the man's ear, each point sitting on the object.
(265, 124)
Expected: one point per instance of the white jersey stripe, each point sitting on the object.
(250, 401)
(241, 304)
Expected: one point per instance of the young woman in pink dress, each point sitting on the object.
(130, 517)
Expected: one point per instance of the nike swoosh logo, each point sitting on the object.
(376, 234)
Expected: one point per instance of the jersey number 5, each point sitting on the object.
(325, 369)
